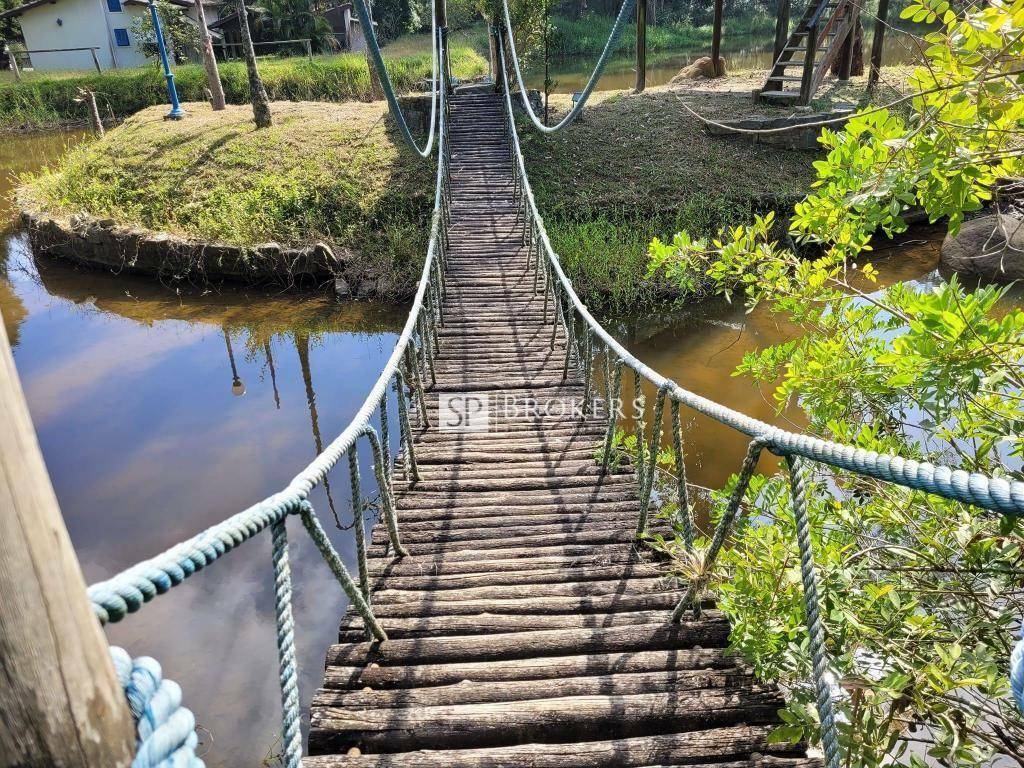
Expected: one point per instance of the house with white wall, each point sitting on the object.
(51, 27)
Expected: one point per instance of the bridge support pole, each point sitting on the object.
(62, 704)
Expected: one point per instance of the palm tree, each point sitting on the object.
(209, 60)
(258, 94)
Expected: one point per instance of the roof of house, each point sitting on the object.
(36, 3)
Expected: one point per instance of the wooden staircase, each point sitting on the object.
(822, 36)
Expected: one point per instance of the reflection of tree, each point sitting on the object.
(11, 306)
(302, 347)
(273, 374)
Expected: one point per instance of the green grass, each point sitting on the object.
(588, 34)
(329, 172)
(47, 100)
(637, 167)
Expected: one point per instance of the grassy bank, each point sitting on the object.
(588, 34)
(638, 167)
(329, 172)
(46, 100)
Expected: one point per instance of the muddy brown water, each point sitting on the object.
(133, 388)
(740, 52)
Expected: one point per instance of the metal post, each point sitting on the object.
(877, 43)
(641, 45)
(176, 113)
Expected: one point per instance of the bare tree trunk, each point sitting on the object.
(258, 94)
(94, 113)
(209, 60)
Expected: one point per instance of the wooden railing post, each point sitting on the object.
(62, 705)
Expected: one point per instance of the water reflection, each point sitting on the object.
(135, 391)
(741, 53)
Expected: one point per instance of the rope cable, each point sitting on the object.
(366, 21)
(611, 44)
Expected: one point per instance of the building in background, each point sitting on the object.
(99, 27)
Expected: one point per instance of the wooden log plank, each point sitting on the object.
(570, 718)
(708, 631)
(741, 746)
(470, 692)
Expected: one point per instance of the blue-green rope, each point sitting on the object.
(165, 730)
(366, 21)
(609, 48)
(288, 673)
(815, 631)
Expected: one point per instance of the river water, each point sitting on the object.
(740, 52)
(134, 390)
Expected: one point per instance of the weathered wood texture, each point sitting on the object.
(62, 706)
(526, 628)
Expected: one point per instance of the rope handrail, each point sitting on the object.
(366, 21)
(609, 47)
(993, 493)
(407, 369)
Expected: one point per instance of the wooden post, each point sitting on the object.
(716, 38)
(94, 113)
(95, 61)
(877, 43)
(781, 30)
(309, 49)
(14, 63)
(217, 100)
(441, 19)
(847, 51)
(641, 45)
(62, 704)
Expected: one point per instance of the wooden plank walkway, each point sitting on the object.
(525, 628)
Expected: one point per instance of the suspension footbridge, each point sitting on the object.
(506, 610)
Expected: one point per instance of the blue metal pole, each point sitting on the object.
(176, 113)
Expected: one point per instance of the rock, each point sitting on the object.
(702, 68)
(342, 289)
(990, 247)
(367, 289)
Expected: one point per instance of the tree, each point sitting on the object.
(181, 36)
(257, 93)
(209, 60)
(921, 597)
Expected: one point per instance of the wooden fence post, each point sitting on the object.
(641, 45)
(62, 705)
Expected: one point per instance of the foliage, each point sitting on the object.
(921, 596)
(51, 100)
(587, 34)
(292, 20)
(180, 36)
